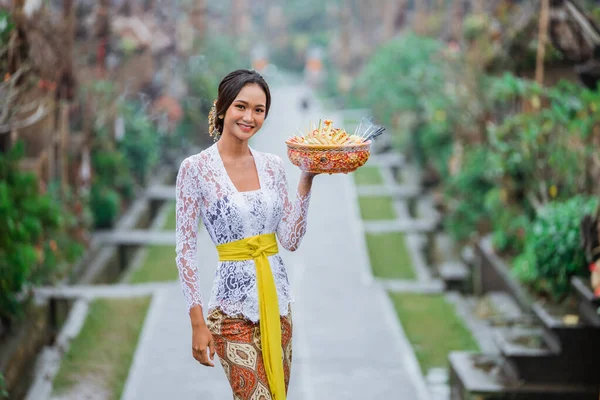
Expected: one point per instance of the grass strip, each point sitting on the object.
(389, 255)
(158, 266)
(368, 176)
(100, 357)
(376, 208)
(433, 328)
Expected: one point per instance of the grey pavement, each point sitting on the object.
(348, 343)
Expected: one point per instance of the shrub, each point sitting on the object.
(106, 205)
(34, 245)
(553, 252)
(140, 146)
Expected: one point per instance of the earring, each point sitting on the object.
(221, 116)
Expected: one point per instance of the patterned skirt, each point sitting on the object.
(238, 345)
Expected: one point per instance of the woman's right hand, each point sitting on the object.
(201, 340)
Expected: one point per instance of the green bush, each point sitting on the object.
(3, 391)
(414, 89)
(399, 75)
(105, 204)
(553, 252)
(111, 169)
(524, 161)
(6, 27)
(465, 195)
(140, 145)
(34, 244)
(108, 165)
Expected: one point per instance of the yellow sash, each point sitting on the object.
(258, 248)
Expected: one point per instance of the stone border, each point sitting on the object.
(480, 329)
(48, 363)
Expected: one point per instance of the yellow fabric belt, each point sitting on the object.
(258, 248)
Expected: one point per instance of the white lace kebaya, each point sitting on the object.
(204, 190)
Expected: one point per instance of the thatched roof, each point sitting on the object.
(573, 32)
(574, 35)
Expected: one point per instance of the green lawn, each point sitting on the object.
(389, 256)
(432, 327)
(170, 223)
(368, 176)
(399, 177)
(376, 208)
(103, 351)
(158, 266)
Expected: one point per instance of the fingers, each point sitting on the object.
(211, 346)
(202, 357)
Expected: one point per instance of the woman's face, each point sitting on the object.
(246, 114)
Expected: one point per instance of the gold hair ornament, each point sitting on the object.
(212, 129)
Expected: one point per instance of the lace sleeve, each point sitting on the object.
(292, 226)
(187, 214)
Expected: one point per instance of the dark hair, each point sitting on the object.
(231, 86)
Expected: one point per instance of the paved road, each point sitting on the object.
(347, 342)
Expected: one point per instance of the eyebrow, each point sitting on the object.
(246, 103)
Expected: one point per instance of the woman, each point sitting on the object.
(241, 196)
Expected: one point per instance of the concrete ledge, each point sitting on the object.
(404, 286)
(161, 192)
(137, 237)
(104, 291)
(413, 226)
(48, 363)
(402, 191)
(415, 244)
(387, 159)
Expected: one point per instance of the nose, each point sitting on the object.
(248, 115)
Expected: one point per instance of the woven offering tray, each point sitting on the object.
(330, 150)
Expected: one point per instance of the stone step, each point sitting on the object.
(522, 342)
(437, 382)
(413, 226)
(481, 376)
(96, 291)
(455, 275)
(589, 304)
(481, 331)
(505, 306)
(161, 192)
(425, 208)
(531, 355)
(406, 286)
(401, 191)
(136, 237)
(415, 243)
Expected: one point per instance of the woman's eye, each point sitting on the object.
(260, 110)
(241, 107)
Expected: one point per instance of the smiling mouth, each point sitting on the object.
(245, 127)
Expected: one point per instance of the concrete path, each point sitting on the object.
(347, 341)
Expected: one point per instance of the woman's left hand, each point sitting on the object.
(309, 175)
